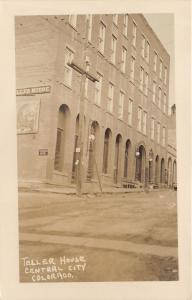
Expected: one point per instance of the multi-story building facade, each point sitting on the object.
(126, 109)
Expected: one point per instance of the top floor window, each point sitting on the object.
(147, 51)
(134, 34)
(115, 19)
(125, 25)
(113, 48)
(143, 46)
(160, 69)
(155, 62)
(89, 26)
(73, 20)
(68, 71)
(102, 30)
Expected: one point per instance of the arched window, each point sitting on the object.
(106, 150)
(117, 157)
(63, 116)
(126, 160)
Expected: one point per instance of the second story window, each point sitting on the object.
(68, 71)
(152, 128)
(123, 59)
(130, 111)
(132, 74)
(139, 117)
(86, 82)
(102, 37)
(154, 91)
(125, 25)
(73, 20)
(146, 84)
(163, 136)
(120, 105)
(89, 26)
(134, 34)
(141, 79)
(110, 97)
(98, 86)
(113, 49)
(155, 62)
(144, 122)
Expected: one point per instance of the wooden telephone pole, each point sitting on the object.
(84, 74)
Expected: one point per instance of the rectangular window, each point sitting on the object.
(154, 91)
(89, 26)
(144, 122)
(73, 20)
(86, 81)
(123, 59)
(163, 136)
(152, 128)
(146, 83)
(159, 97)
(113, 48)
(120, 105)
(155, 62)
(165, 76)
(160, 69)
(102, 30)
(139, 116)
(110, 97)
(115, 19)
(125, 25)
(98, 86)
(130, 111)
(164, 103)
(147, 51)
(158, 133)
(132, 74)
(134, 34)
(141, 78)
(143, 46)
(68, 71)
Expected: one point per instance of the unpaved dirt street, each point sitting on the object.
(123, 237)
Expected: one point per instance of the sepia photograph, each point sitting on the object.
(97, 155)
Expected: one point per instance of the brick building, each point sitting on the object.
(126, 110)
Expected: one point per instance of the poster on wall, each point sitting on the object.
(105, 217)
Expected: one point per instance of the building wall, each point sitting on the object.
(41, 43)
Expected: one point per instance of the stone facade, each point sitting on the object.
(126, 111)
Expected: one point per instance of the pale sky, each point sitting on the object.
(163, 26)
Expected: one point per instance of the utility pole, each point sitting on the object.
(84, 74)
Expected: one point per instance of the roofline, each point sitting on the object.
(154, 33)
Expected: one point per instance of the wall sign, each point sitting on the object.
(33, 90)
(43, 152)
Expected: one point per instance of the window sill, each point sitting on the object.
(60, 173)
(110, 113)
(72, 26)
(67, 86)
(101, 52)
(98, 105)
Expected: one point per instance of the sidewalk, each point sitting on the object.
(71, 190)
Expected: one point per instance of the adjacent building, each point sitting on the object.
(126, 122)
